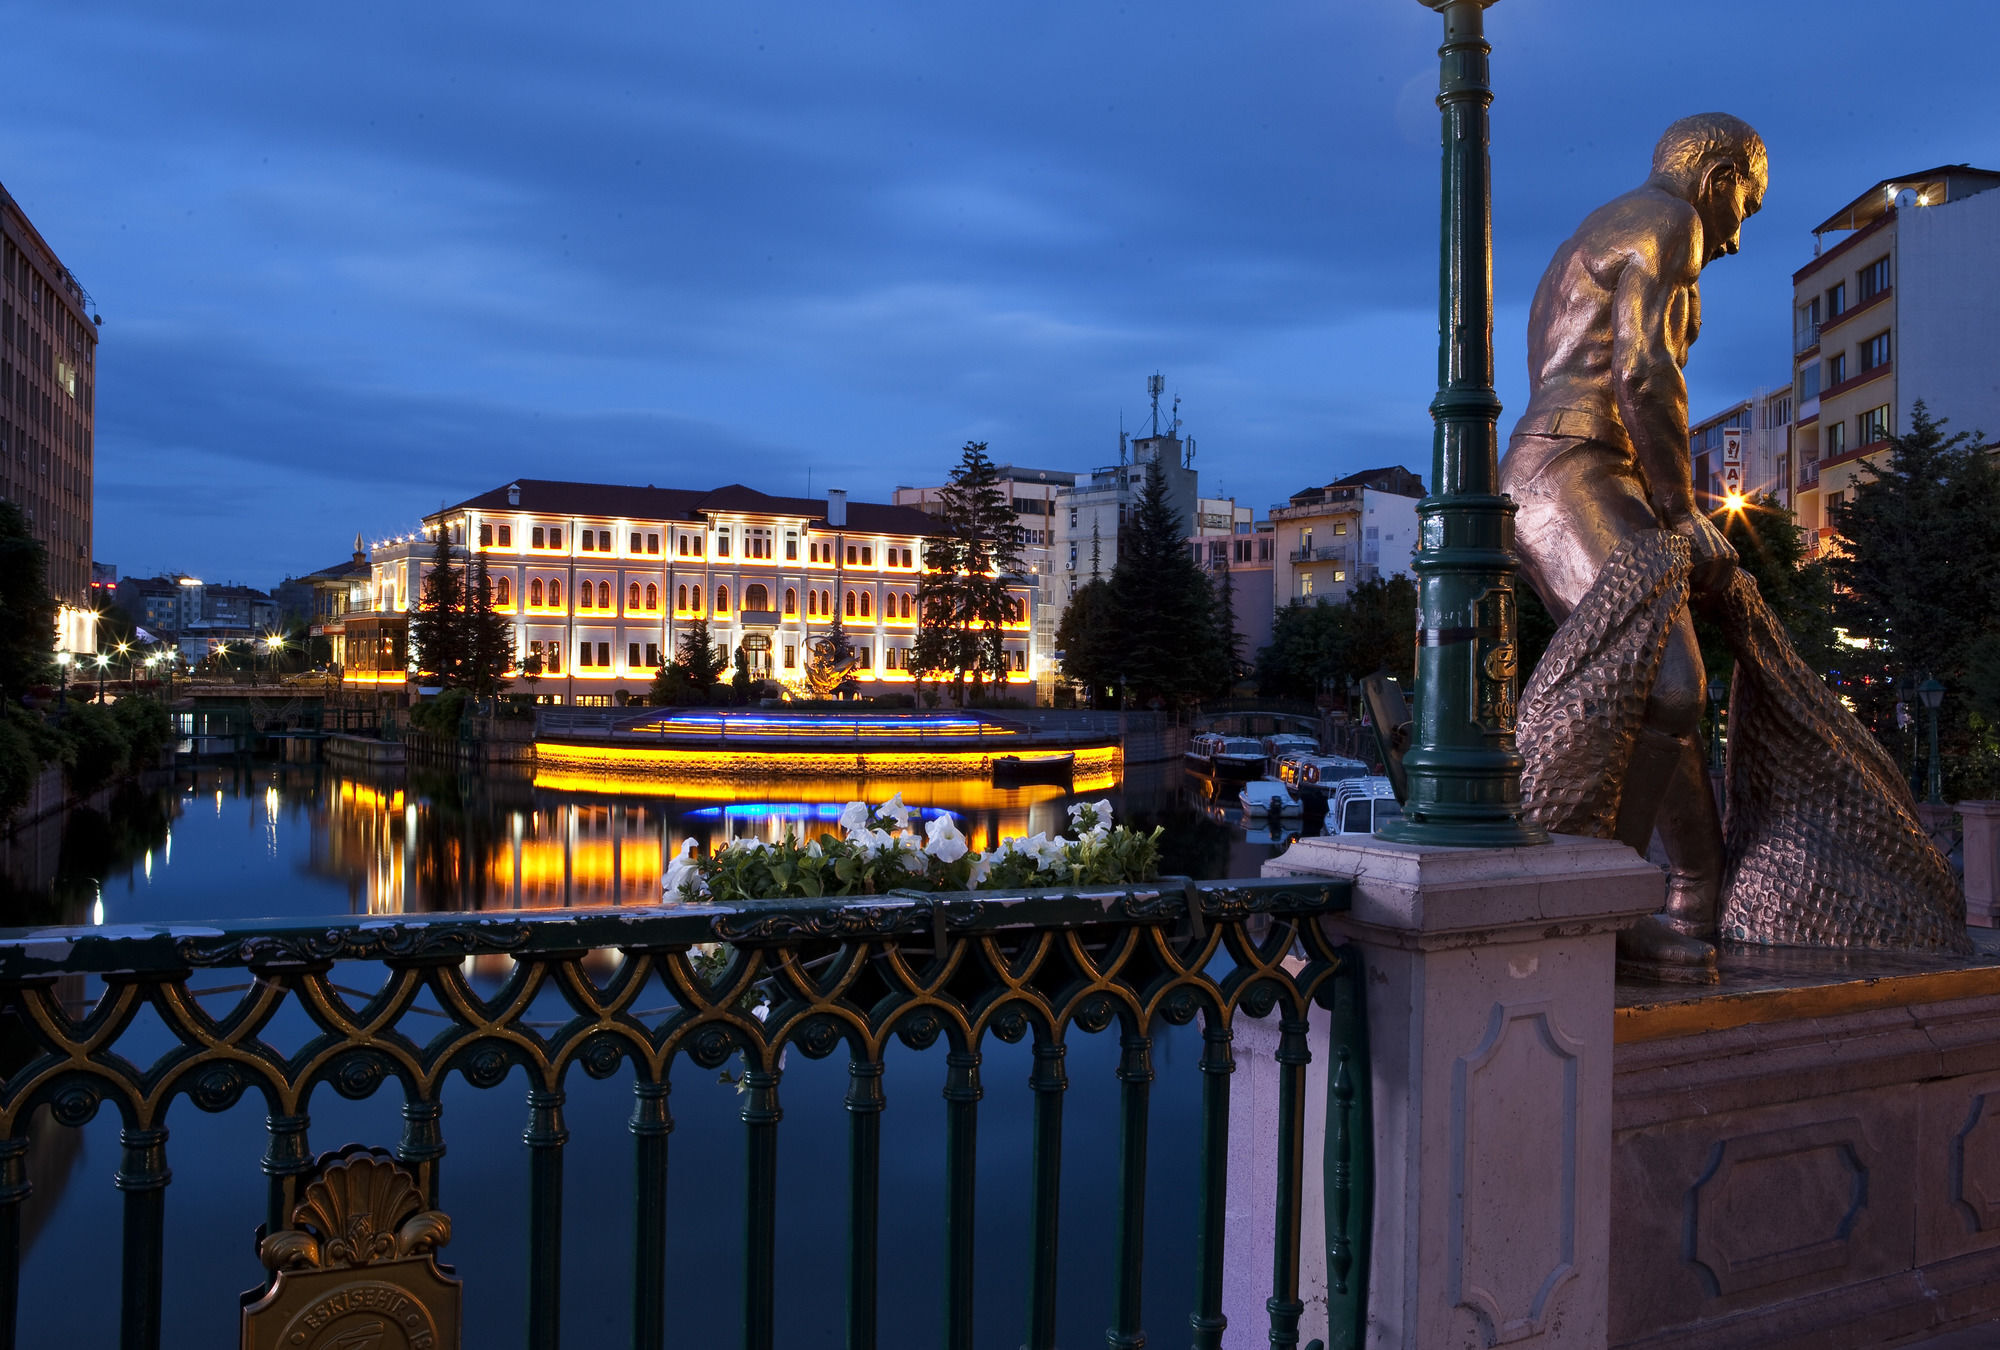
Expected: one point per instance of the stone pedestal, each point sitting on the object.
(1489, 1006)
(1982, 861)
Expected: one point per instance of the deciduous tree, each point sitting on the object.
(27, 610)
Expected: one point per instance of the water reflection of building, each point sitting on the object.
(401, 850)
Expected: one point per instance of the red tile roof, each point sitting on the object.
(549, 497)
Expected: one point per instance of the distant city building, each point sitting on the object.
(1238, 553)
(48, 374)
(1904, 307)
(196, 617)
(320, 601)
(1090, 514)
(1355, 529)
(1759, 431)
(601, 582)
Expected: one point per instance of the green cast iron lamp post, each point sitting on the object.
(1463, 769)
(1932, 694)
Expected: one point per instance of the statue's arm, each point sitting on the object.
(1650, 312)
(1649, 332)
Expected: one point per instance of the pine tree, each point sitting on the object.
(27, 610)
(489, 635)
(1916, 572)
(697, 659)
(1169, 646)
(438, 632)
(962, 599)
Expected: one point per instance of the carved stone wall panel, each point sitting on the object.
(1957, 1145)
(1781, 1204)
(1716, 1215)
(1514, 1126)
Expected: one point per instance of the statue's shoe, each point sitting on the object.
(1654, 951)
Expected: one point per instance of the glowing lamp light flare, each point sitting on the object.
(1734, 502)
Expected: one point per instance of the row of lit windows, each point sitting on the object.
(758, 545)
(547, 657)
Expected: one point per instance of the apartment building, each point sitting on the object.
(48, 376)
(1090, 514)
(1238, 552)
(1745, 449)
(1903, 305)
(1327, 540)
(602, 580)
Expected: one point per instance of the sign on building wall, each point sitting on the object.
(1732, 462)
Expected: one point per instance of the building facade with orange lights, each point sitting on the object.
(1904, 305)
(601, 581)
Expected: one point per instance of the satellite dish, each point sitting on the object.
(1906, 197)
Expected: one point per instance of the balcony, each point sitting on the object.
(757, 618)
(1808, 474)
(1805, 339)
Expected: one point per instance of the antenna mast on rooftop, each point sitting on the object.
(1156, 384)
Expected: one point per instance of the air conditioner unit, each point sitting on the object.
(1070, 566)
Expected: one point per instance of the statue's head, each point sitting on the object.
(1716, 163)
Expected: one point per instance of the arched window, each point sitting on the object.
(555, 595)
(864, 604)
(503, 591)
(812, 602)
(632, 596)
(791, 600)
(697, 598)
(681, 598)
(583, 596)
(652, 597)
(756, 598)
(604, 595)
(721, 599)
(906, 604)
(826, 602)
(850, 604)
(535, 592)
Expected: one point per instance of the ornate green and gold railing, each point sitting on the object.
(645, 990)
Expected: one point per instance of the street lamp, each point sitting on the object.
(1463, 768)
(1932, 694)
(1717, 687)
(62, 682)
(103, 661)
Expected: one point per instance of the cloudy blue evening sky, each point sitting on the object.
(357, 260)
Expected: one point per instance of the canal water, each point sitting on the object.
(250, 840)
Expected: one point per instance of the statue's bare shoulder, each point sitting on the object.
(1653, 230)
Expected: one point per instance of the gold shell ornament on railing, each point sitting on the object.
(358, 1267)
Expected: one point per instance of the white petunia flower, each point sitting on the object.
(893, 809)
(981, 865)
(683, 876)
(813, 850)
(854, 816)
(744, 843)
(944, 842)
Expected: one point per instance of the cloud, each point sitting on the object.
(355, 260)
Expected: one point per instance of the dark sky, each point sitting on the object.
(355, 260)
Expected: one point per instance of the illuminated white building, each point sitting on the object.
(601, 581)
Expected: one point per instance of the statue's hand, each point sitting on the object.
(1712, 555)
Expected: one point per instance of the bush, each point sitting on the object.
(19, 765)
(148, 728)
(102, 749)
(442, 714)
